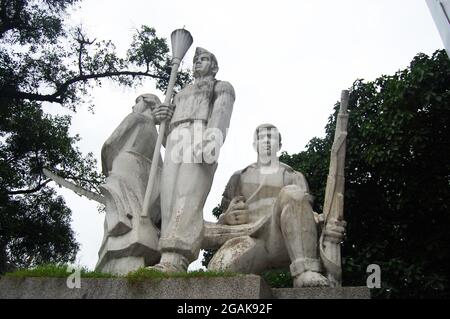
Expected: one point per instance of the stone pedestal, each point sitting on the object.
(238, 287)
(322, 293)
(135, 249)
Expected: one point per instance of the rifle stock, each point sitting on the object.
(333, 208)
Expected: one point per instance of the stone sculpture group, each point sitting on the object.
(267, 218)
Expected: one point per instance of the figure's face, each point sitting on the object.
(267, 142)
(138, 108)
(146, 103)
(202, 65)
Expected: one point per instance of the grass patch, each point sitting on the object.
(278, 278)
(145, 274)
(61, 271)
(56, 271)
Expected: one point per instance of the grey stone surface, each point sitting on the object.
(267, 218)
(238, 287)
(322, 293)
(126, 159)
(198, 127)
(130, 241)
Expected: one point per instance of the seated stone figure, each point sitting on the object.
(268, 221)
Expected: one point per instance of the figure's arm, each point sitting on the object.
(299, 179)
(164, 112)
(230, 191)
(222, 108)
(234, 208)
(335, 228)
(169, 113)
(237, 212)
(226, 200)
(115, 142)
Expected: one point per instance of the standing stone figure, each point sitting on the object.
(198, 121)
(130, 241)
(267, 206)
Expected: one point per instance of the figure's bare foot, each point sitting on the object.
(310, 279)
(167, 268)
(170, 263)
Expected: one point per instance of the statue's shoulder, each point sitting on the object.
(248, 168)
(288, 169)
(224, 87)
(235, 178)
(187, 88)
(291, 174)
(232, 188)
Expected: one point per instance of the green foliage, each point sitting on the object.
(397, 190)
(60, 270)
(36, 64)
(56, 271)
(32, 22)
(150, 52)
(278, 278)
(397, 179)
(42, 60)
(217, 211)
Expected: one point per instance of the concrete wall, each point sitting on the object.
(238, 287)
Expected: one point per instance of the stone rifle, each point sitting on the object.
(73, 187)
(333, 208)
(215, 234)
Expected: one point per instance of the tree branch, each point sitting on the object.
(82, 41)
(63, 87)
(58, 96)
(31, 96)
(30, 191)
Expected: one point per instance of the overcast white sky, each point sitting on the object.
(288, 61)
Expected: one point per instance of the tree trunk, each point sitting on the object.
(3, 258)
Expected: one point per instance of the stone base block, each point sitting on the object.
(322, 293)
(238, 287)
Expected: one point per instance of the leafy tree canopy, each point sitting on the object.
(43, 60)
(397, 190)
(397, 178)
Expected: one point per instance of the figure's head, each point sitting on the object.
(267, 140)
(146, 102)
(204, 63)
